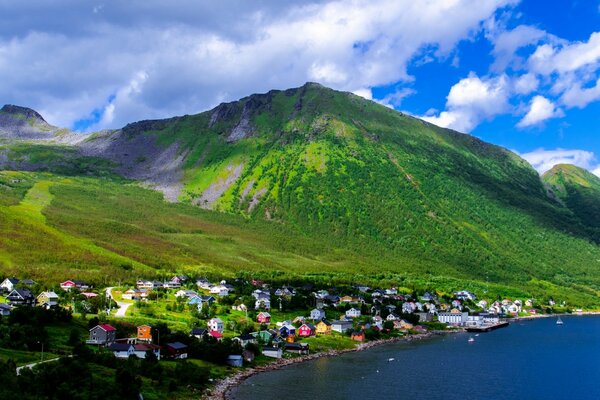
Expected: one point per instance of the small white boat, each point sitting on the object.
(477, 335)
(559, 321)
(391, 359)
(471, 340)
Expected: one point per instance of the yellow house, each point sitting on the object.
(323, 328)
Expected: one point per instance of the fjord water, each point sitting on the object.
(528, 360)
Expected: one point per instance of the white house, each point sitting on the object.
(317, 314)
(465, 295)
(353, 313)
(219, 290)
(9, 284)
(273, 352)
(453, 318)
(216, 324)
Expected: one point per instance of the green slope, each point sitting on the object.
(579, 190)
(314, 181)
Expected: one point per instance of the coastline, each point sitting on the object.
(223, 387)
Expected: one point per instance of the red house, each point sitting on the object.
(263, 318)
(216, 334)
(306, 330)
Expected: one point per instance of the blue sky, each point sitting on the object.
(523, 74)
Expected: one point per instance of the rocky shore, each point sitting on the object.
(223, 388)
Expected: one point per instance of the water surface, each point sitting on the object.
(527, 360)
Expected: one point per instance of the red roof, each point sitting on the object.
(107, 327)
(215, 334)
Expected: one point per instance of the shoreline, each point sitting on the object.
(223, 387)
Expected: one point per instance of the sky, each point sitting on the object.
(523, 74)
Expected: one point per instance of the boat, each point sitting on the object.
(471, 340)
(391, 359)
(559, 321)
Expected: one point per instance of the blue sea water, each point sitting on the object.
(528, 360)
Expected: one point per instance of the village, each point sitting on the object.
(251, 319)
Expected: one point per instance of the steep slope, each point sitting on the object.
(579, 190)
(370, 189)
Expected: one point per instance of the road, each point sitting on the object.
(122, 305)
(19, 369)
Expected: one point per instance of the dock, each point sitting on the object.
(487, 328)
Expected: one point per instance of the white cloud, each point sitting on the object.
(576, 96)
(540, 110)
(525, 84)
(506, 44)
(570, 57)
(543, 160)
(200, 53)
(471, 101)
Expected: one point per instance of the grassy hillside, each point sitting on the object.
(578, 190)
(306, 181)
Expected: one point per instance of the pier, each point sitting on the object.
(487, 328)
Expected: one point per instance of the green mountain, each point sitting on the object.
(579, 191)
(303, 181)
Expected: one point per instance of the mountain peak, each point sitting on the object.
(25, 112)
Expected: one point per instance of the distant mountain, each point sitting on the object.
(579, 190)
(374, 190)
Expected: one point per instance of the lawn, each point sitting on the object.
(24, 357)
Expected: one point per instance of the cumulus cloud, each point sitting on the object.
(548, 59)
(471, 101)
(576, 96)
(540, 110)
(67, 58)
(543, 160)
(507, 42)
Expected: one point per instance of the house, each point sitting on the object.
(140, 350)
(244, 340)
(392, 317)
(317, 314)
(359, 336)
(285, 292)
(132, 294)
(144, 333)
(8, 285)
(263, 303)
(363, 288)
(47, 299)
(287, 330)
(176, 350)
(482, 304)
(122, 350)
(306, 330)
(241, 307)
(4, 309)
(353, 313)
(298, 348)
(185, 293)
(198, 333)
(263, 318)
(402, 324)
(220, 290)
(408, 307)
(428, 297)
(235, 361)
(89, 295)
(273, 352)
(203, 283)
(391, 292)
(341, 326)
(465, 295)
(102, 334)
(69, 285)
(425, 317)
(216, 324)
(453, 317)
(216, 335)
(263, 337)
(20, 297)
(323, 327)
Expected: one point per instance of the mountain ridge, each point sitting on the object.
(332, 167)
